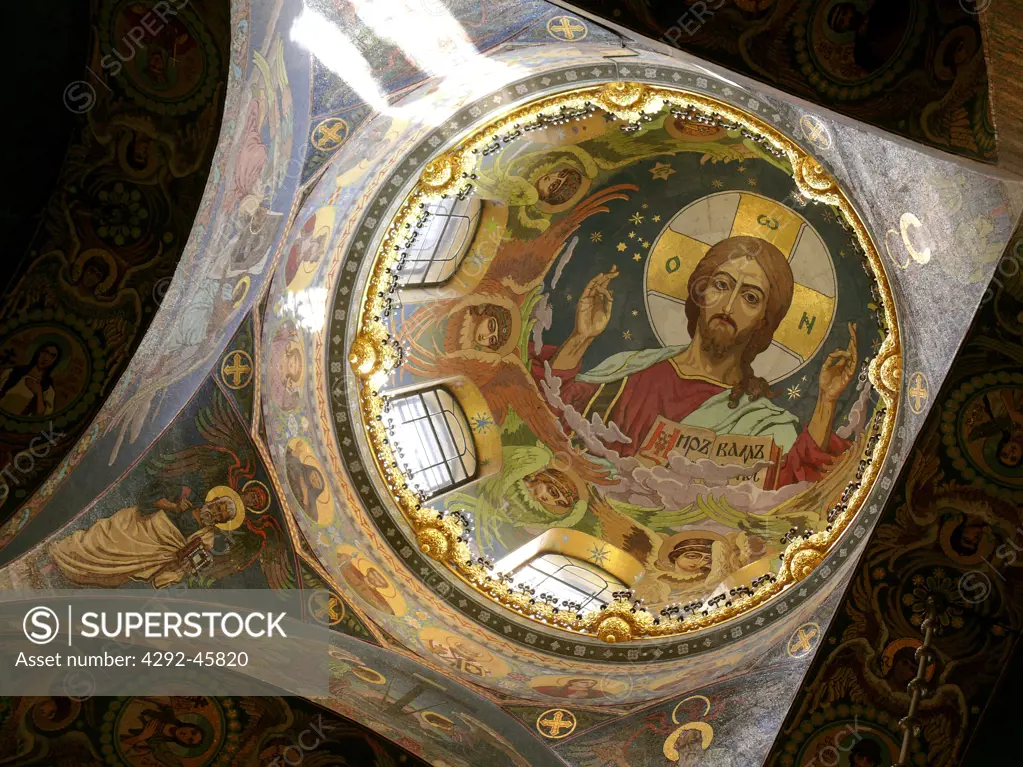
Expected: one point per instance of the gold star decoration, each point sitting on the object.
(717, 183)
(568, 298)
(794, 392)
(661, 170)
(636, 218)
(646, 244)
(632, 235)
(655, 219)
(596, 236)
(751, 181)
(742, 169)
(635, 312)
(637, 257)
(644, 206)
(627, 335)
(620, 246)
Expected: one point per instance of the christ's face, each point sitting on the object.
(733, 304)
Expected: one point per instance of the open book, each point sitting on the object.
(694, 443)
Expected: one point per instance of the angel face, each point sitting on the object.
(486, 332)
(93, 273)
(552, 489)
(485, 326)
(558, 187)
(692, 555)
(254, 497)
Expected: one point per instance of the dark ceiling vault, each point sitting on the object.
(914, 69)
(117, 126)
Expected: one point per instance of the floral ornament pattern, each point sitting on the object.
(943, 590)
(121, 215)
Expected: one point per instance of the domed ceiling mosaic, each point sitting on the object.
(573, 382)
(623, 360)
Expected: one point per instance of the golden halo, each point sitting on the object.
(706, 706)
(696, 228)
(349, 556)
(223, 491)
(706, 736)
(439, 721)
(366, 674)
(269, 497)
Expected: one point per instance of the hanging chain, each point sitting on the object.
(910, 724)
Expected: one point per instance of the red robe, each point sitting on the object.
(659, 390)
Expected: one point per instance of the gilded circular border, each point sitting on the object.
(372, 355)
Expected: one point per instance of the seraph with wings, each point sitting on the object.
(512, 281)
(228, 458)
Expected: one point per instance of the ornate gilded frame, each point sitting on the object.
(373, 355)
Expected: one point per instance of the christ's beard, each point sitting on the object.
(719, 339)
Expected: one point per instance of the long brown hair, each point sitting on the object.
(779, 298)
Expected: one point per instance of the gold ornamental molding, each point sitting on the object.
(374, 355)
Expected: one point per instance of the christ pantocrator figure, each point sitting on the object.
(738, 295)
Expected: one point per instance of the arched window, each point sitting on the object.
(581, 585)
(442, 239)
(432, 439)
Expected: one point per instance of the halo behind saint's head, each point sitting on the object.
(695, 229)
(223, 491)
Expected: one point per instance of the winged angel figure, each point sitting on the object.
(212, 286)
(484, 337)
(162, 540)
(227, 458)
